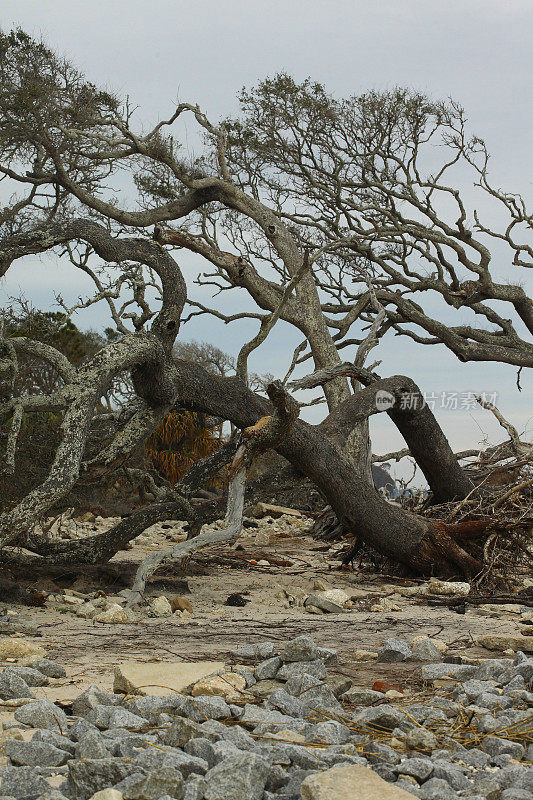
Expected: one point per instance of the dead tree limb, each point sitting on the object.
(268, 432)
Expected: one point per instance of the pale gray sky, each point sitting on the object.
(477, 52)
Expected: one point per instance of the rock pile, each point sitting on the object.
(285, 730)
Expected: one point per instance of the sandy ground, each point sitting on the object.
(89, 650)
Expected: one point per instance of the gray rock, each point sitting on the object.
(299, 684)
(240, 777)
(286, 703)
(474, 757)
(92, 745)
(394, 650)
(13, 686)
(153, 759)
(330, 732)
(202, 748)
(492, 701)
(320, 698)
(432, 672)
(50, 668)
(87, 777)
(261, 650)
(180, 732)
(23, 783)
(436, 789)
(386, 772)
(35, 754)
(329, 606)
(302, 648)
(247, 674)
(267, 670)
(43, 714)
(492, 669)
(519, 778)
(383, 717)
(91, 699)
(328, 655)
(418, 768)
(254, 715)
(473, 688)
(105, 717)
(378, 753)
(31, 676)
(194, 788)
(239, 737)
(201, 708)
(167, 781)
(425, 650)
(263, 689)
(497, 746)
(421, 739)
(292, 789)
(146, 706)
(451, 773)
(57, 739)
(339, 684)
(515, 794)
(224, 749)
(277, 777)
(363, 697)
(80, 728)
(317, 669)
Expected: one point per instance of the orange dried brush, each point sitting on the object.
(182, 438)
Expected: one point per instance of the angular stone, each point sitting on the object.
(497, 746)
(316, 669)
(255, 715)
(180, 732)
(13, 686)
(285, 702)
(418, 768)
(350, 783)
(362, 697)
(228, 685)
(87, 777)
(322, 601)
(92, 745)
(260, 650)
(43, 714)
(268, 669)
(159, 607)
(160, 678)
(32, 676)
(154, 759)
(105, 717)
(239, 777)
(19, 648)
(302, 648)
(394, 650)
(263, 689)
(506, 642)
(268, 510)
(425, 650)
(421, 739)
(379, 753)
(107, 794)
(36, 754)
(458, 672)
(383, 717)
(436, 789)
(339, 684)
(22, 782)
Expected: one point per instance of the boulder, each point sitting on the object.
(19, 648)
(506, 642)
(268, 510)
(162, 678)
(353, 782)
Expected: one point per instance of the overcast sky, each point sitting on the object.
(477, 52)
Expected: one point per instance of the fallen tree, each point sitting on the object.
(62, 140)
